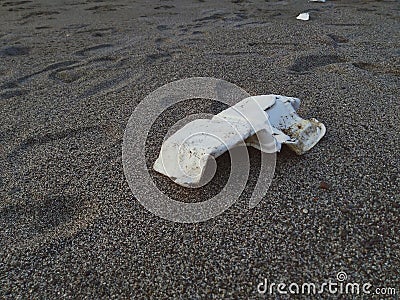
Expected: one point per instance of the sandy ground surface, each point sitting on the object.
(71, 74)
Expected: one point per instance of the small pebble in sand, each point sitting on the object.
(323, 185)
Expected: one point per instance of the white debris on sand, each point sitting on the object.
(303, 16)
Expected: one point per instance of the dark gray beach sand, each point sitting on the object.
(72, 73)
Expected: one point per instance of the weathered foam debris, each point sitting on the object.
(322, 1)
(303, 16)
(264, 122)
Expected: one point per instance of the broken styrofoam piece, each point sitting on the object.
(264, 122)
(303, 16)
(304, 134)
(322, 1)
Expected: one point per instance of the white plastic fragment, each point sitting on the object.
(303, 16)
(264, 122)
(322, 1)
